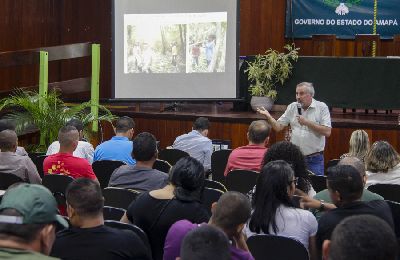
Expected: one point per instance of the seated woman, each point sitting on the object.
(358, 145)
(157, 210)
(382, 163)
(291, 154)
(273, 211)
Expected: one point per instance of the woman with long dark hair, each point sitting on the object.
(291, 154)
(157, 210)
(273, 210)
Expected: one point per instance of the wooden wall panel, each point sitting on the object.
(26, 24)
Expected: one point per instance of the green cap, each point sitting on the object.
(34, 202)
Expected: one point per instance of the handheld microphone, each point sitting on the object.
(299, 108)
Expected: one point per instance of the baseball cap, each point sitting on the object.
(35, 203)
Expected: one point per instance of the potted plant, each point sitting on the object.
(268, 71)
(47, 114)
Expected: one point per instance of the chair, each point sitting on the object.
(57, 184)
(38, 159)
(214, 185)
(363, 45)
(332, 163)
(387, 191)
(135, 229)
(172, 155)
(318, 182)
(8, 179)
(276, 248)
(323, 44)
(118, 197)
(210, 196)
(218, 164)
(111, 213)
(395, 208)
(161, 165)
(104, 169)
(241, 180)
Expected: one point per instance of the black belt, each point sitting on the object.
(314, 154)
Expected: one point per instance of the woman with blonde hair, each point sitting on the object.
(358, 145)
(382, 164)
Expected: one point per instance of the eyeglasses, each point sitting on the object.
(295, 181)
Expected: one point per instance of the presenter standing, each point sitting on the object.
(310, 122)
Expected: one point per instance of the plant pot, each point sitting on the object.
(265, 102)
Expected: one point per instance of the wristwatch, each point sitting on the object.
(321, 205)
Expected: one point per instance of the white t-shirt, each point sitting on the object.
(390, 177)
(84, 150)
(294, 223)
(308, 140)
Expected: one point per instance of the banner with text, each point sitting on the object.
(345, 18)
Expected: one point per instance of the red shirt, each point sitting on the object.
(247, 157)
(67, 164)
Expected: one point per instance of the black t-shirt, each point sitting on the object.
(100, 242)
(156, 216)
(330, 219)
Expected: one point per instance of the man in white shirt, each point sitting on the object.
(310, 122)
(84, 149)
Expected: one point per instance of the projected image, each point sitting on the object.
(175, 43)
(207, 47)
(155, 49)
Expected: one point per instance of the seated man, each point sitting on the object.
(64, 162)
(249, 157)
(361, 238)
(205, 242)
(28, 219)
(89, 238)
(345, 188)
(230, 214)
(141, 176)
(366, 194)
(119, 148)
(6, 124)
(11, 162)
(196, 143)
(83, 150)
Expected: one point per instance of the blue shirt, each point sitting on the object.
(197, 146)
(119, 148)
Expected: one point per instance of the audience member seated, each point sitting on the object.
(358, 145)
(345, 187)
(249, 157)
(273, 209)
(230, 214)
(157, 210)
(383, 164)
(291, 154)
(361, 238)
(323, 196)
(28, 219)
(64, 162)
(88, 237)
(119, 148)
(196, 143)
(11, 162)
(83, 150)
(6, 124)
(141, 176)
(205, 242)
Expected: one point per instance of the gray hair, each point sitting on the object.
(309, 86)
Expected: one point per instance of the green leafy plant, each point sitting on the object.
(271, 69)
(28, 109)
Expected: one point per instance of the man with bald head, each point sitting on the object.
(10, 162)
(64, 162)
(249, 157)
